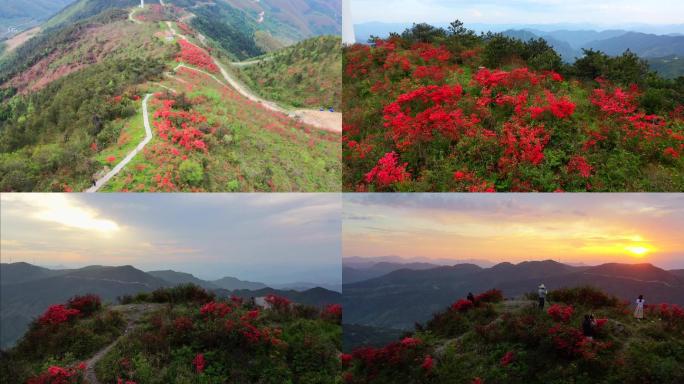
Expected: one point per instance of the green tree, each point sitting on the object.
(191, 173)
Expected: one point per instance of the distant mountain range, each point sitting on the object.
(27, 290)
(18, 15)
(404, 296)
(662, 49)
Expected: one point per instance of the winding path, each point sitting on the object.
(329, 121)
(148, 136)
(133, 312)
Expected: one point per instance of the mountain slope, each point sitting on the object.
(182, 278)
(400, 298)
(181, 334)
(19, 15)
(73, 100)
(495, 341)
(306, 74)
(232, 283)
(644, 45)
(21, 302)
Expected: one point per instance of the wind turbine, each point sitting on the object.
(142, 3)
(348, 37)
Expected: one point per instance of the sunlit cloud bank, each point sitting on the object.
(571, 228)
(274, 237)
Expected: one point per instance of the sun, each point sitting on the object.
(638, 251)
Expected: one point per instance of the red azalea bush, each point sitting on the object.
(404, 360)
(57, 314)
(196, 56)
(332, 312)
(87, 304)
(460, 127)
(60, 375)
(560, 313)
(278, 303)
(198, 362)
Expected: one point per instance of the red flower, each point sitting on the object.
(428, 363)
(671, 152)
(507, 358)
(462, 305)
(196, 56)
(579, 164)
(199, 363)
(278, 303)
(477, 380)
(388, 171)
(560, 313)
(346, 359)
(57, 314)
(111, 159)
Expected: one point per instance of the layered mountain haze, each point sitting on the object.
(662, 46)
(27, 290)
(400, 298)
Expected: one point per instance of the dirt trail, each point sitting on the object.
(148, 136)
(133, 313)
(329, 121)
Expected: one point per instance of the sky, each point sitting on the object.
(599, 12)
(571, 228)
(270, 238)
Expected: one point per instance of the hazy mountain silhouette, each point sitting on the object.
(402, 297)
(27, 290)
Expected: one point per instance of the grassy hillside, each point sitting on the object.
(496, 341)
(306, 74)
(180, 335)
(438, 110)
(669, 67)
(71, 110)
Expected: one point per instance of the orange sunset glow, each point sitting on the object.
(578, 228)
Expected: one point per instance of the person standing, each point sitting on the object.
(471, 298)
(588, 327)
(542, 296)
(639, 311)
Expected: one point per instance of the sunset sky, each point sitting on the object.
(605, 12)
(272, 238)
(570, 228)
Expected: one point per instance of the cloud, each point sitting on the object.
(60, 209)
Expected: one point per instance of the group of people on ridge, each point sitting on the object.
(589, 322)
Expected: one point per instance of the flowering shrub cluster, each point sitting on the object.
(332, 312)
(560, 313)
(87, 304)
(60, 375)
(672, 315)
(459, 127)
(57, 314)
(196, 56)
(278, 303)
(405, 359)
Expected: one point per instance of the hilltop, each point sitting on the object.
(495, 341)
(181, 334)
(28, 290)
(447, 110)
(111, 97)
(398, 299)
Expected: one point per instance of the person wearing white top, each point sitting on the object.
(639, 311)
(542, 296)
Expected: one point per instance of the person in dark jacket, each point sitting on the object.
(470, 297)
(588, 327)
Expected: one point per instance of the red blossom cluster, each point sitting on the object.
(196, 56)
(216, 309)
(388, 171)
(60, 375)
(278, 303)
(560, 312)
(199, 363)
(402, 355)
(462, 305)
(180, 126)
(672, 315)
(185, 28)
(86, 304)
(507, 359)
(333, 311)
(57, 314)
(570, 342)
